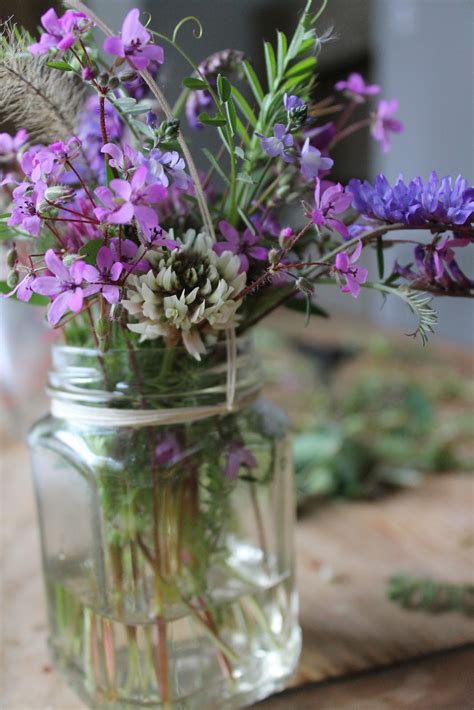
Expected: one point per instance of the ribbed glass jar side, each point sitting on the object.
(167, 549)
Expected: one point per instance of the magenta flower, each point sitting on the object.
(154, 235)
(108, 271)
(124, 200)
(124, 159)
(244, 245)
(383, 123)
(356, 87)
(128, 254)
(65, 286)
(10, 145)
(27, 199)
(167, 450)
(328, 203)
(278, 144)
(237, 456)
(47, 163)
(23, 289)
(313, 162)
(134, 43)
(61, 32)
(349, 276)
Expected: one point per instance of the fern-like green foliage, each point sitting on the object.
(431, 595)
(420, 305)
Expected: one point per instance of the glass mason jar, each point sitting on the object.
(166, 529)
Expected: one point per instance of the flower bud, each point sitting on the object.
(274, 256)
(13, 279)
(116, 310)
(12, 256)
(69, 259)
(128, 75)
(88, 74)
(114, 83)
(57, 193)
(102, 327)
(297, 117)
(305, 286)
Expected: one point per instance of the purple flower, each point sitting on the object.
(237, 456)
(436, 264)
(278, 144)
(134, 43)
(10, 145)
(244, 245)
(128, 254)
(383, 123)
(321, 136)
(27, 199)
(47, 163)
(125, 159)
(167, 450)
(61, 32)
(356, 87)
(65, 287)
(23, 289)
(417, 203)
(162, 165)
(329, 203)
(155, 236)
(349, 276)
(313, 162)
(107, 272)
(292, 102)
(124, 200)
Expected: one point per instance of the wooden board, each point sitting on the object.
(345, 554)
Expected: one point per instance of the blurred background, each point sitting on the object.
(419, 51)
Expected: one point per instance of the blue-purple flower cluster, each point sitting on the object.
(436, 201)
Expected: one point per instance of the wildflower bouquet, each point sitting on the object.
(163, 484)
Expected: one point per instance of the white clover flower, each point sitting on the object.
(187, 292)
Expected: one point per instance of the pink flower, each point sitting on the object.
(61, 32)
(237, 456)
(154, 235)
(128, 254)
(10, 145)
(357, 88)
(47, 163)
(124, 200)
(23, 289)
(107, 272)
(353, 276)
(134, 43)
(333, 200)
(313, 162)
(383, 123)
(244, 245)
(65, 286)
(27, 199)
(168, 450)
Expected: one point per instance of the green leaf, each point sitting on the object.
(62, 66)
(7, 232)
(244, 106)
(90, 250)
(420, 305)
(305, 66)
(253, 81)
(239, 152)
(5, 215)
(247, 221)
(243, 177)
(109, 173)
(281, 51)
(218, 120)
(35, 300)
(380, 257)
(242, 131)
(270, 64)
(300, 305)
(192, 82)
(224, 88)
(216, 165)
(231, 116)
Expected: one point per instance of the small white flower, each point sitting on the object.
(187, 292)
